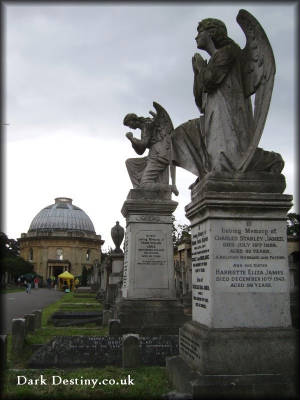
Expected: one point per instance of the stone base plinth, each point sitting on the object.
(150, 317)
(251, 386)
(253, 182)
(238, 351)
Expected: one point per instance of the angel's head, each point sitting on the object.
(215, 28)
(133, 121)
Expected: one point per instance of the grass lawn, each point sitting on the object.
(72, 298)
(48, 331)
(81, 306)
(144, 383)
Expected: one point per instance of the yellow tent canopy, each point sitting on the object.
(66, 281)
(67, 275)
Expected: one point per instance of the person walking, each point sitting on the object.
(28, 287)
(36, 282)
(49, 283)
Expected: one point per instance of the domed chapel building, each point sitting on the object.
(61, 237)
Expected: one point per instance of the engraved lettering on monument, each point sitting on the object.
(125, 268)
(152, 269)
(250, 259)
(200, 262)
(151, 248)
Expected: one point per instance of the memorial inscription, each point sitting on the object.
(189, 348)
(200, 262)
(125, 268)
(250, 257)
(151, 248)
(247, 256)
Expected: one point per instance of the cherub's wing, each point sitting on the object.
(258, 75)
(162, 120)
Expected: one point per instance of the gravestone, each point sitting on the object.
(38, 318)
(17, 335)
(3, 352)
(29, 323)
(102, 351)
(107, 315)
(114, 327)
(131, 357)
(240, 340)
(148, 304)
(75, 318)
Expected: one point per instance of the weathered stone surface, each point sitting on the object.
(240, 266)
(176, 396)
(17, 335)
(241, 316)
(258, 182)
(150, 317)
(155, 349)
(238, 351)
(131, 357)
(30, 323)
(148, 258)
(3, 352)
(38, 319)
(117, 235)
(114, 327)
(78, 351)
(73, 318)
(250, 386)
(107, 315)
(224, 140)
(100, 351)
(151, 171)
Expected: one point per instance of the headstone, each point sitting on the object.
(3, 352)
(78, 352)
(30, 322)
(131, 357)
(107, 315)
(148, 304)
(38, 319)
(17, 335)
(101, 351)
(74, 318)
(26, 317)
(114, 327)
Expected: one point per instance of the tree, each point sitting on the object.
(180, 233)
(293, 221)
(15, 266)
(11, 262)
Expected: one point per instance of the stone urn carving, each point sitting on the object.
(117, 234)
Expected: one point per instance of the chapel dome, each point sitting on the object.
(62, 215)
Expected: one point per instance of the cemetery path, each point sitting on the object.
(15, 305)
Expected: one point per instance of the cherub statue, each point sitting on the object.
(225, 138)
(153, 169)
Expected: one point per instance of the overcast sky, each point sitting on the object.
(74, 71)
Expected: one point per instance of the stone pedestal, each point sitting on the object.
(148, 304)
(241, 322)
(115, 277)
